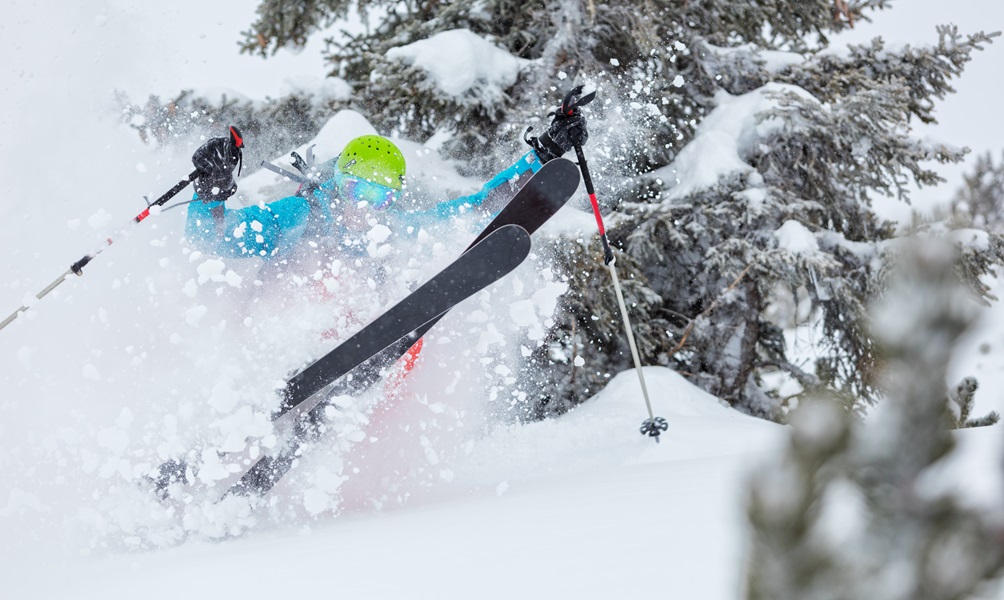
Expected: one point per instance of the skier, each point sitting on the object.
(358, 188)
(364, 181)
(333, 214)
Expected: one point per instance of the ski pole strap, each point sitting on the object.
(288, 174)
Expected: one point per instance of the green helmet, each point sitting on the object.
(373, 158)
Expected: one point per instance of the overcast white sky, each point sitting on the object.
(971, 116)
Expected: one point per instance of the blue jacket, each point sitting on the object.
(276, 228)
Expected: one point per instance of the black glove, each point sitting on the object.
(564, 133)
(215, 160)
(567, 130)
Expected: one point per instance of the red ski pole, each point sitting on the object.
(77, 268)
(653, 426)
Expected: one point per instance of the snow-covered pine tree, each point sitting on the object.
(815, 137)
(962, 398)
(738, 155)
(640, 49)
(271, 127)
(980, 202)
(853, 511)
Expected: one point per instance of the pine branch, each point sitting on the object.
(711, 307)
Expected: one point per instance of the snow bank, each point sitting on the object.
(772, 60)
(722, 141)
(323, 88)
(603, 432)
(796, 238)
(586, 480)
(460, 61)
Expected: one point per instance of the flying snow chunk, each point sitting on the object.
(546, 298)
(194, 315)
(212, 468)
(224, 397)
(91, 372)
(24, 354)
(379, 234)
(99, 219)
(522, 313)
(459, 61)
(113, 439)
(327, 88)
(315, 501)
(430, 452)
(19, 500)
(125, 418)
(478, 316)
(488, 338)
(212, 270)
(233, 279)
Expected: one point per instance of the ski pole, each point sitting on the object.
(653, 426)
(77, 267)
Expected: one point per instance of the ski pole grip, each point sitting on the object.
(171, 193)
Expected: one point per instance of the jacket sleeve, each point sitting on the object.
(261, 231)
(496, 193)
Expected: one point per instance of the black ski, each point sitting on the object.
(482, 264)
(536, 202)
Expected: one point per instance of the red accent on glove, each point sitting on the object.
(238, 140)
